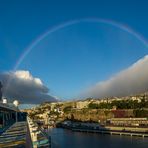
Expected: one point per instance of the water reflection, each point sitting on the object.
(62, 138)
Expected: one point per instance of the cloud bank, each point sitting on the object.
(132, 80)
(23, 86)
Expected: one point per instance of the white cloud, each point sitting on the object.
(132, 80)
(23, 86)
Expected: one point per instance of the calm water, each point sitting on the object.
(62, 138)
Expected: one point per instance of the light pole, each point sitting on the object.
(16, 103)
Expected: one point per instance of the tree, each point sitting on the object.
(67, 108)
(93, 106)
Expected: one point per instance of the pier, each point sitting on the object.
(112, 132)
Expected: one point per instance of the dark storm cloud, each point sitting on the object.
(23, 86)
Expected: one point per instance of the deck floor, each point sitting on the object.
(15, 136)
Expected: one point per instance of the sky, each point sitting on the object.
(72, 57)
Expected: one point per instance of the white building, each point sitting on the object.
(82, 104)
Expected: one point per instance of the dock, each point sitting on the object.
(112, 132)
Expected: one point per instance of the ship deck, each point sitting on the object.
(14, 136)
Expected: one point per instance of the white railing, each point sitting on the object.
(38, 138)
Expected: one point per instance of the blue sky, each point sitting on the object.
(78, 56)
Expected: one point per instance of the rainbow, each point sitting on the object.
(72, 22)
